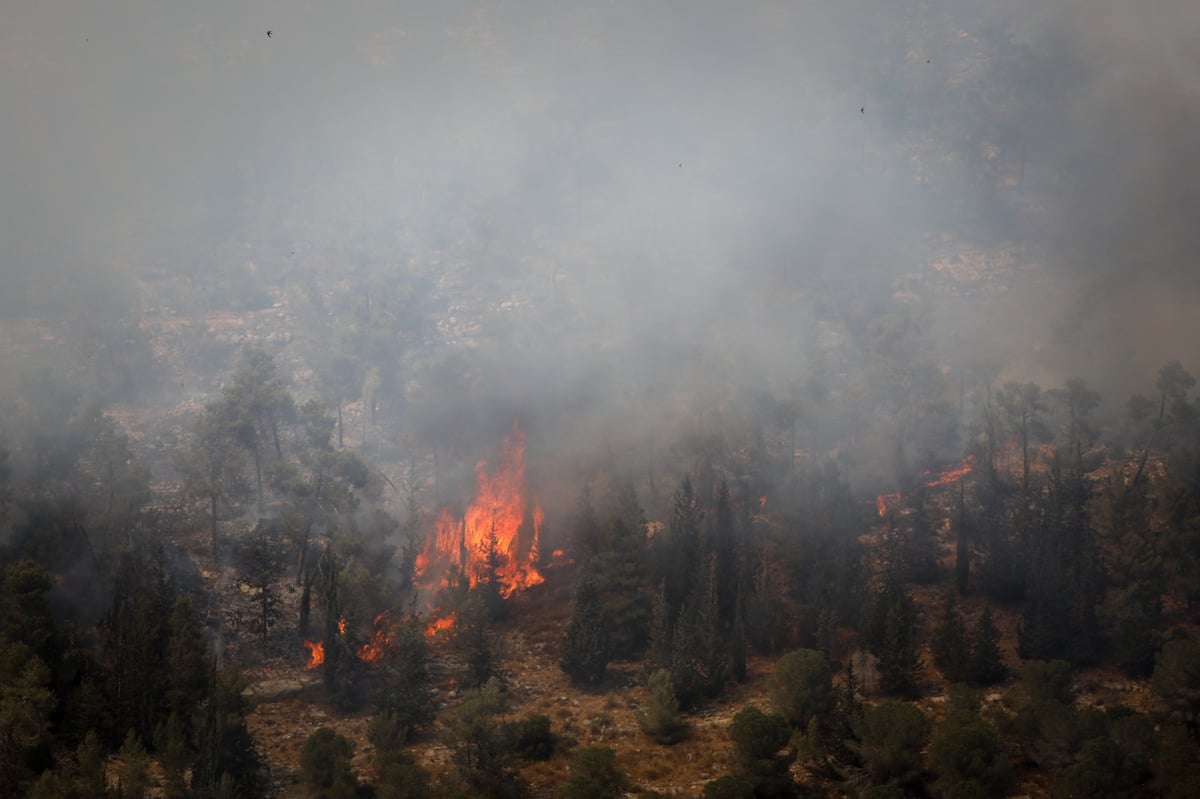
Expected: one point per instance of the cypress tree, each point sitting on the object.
(899, 659)
(987, 666)
(585, 648)
(659, 656)
(950, 650)
(620, 577)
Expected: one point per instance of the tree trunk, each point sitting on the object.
(305, 608)
(1021, 169)
(212, 497)
(1025, 455)
(341, 440)
(962, 554)
(258, 476)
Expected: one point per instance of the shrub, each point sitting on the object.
(325, 765)
(967, 750)
(660, 718)
(729, 787)
(891, 738)
(594, 775)
(529, 738)
(802, 686)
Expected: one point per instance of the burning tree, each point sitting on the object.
(496, 540)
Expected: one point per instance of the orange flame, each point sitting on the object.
(342, 626)
(885, 502)
(439, 626)
(492, 525)
(381, 641)
(953, 474)
(316, 654)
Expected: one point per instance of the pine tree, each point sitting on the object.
(89, 780)
(659, 656)
(488, 584)
(660, 718)
(620, 577)
(678, 552)
(1059, 618)
(987, 664)
(951, 652)
(699, 651)
(187, 663)
(586, 650)
(170, 740)
(226, 757)
(899, 658)
(474, 642)
(724, 540)
(738, 644)
(132, 774)
(586, 531)
(921, 548)
(962, 545)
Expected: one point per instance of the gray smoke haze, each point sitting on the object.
(659, 210)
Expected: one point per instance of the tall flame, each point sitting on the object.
(492, 524)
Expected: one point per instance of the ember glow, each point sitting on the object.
(886, 502)
(494, 521)
(953, 474)
(316, 654)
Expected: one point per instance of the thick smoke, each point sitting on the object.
(649, 212)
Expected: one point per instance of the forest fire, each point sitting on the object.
(382, 638)
(489, 535)
(440, 626)
(316, 654)
(886, 502)
(953, 474)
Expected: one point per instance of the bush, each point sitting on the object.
(1100, 773)
(529, 738)
(729, 787)
(967, 750)
(594, 775)
(661, 719)
(1176, 679)
(892, 736)
(325, 765)
(757, 740)
(802, 687)
(1047, 681)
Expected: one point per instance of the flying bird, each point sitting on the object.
(862, 110)
(268, 34)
